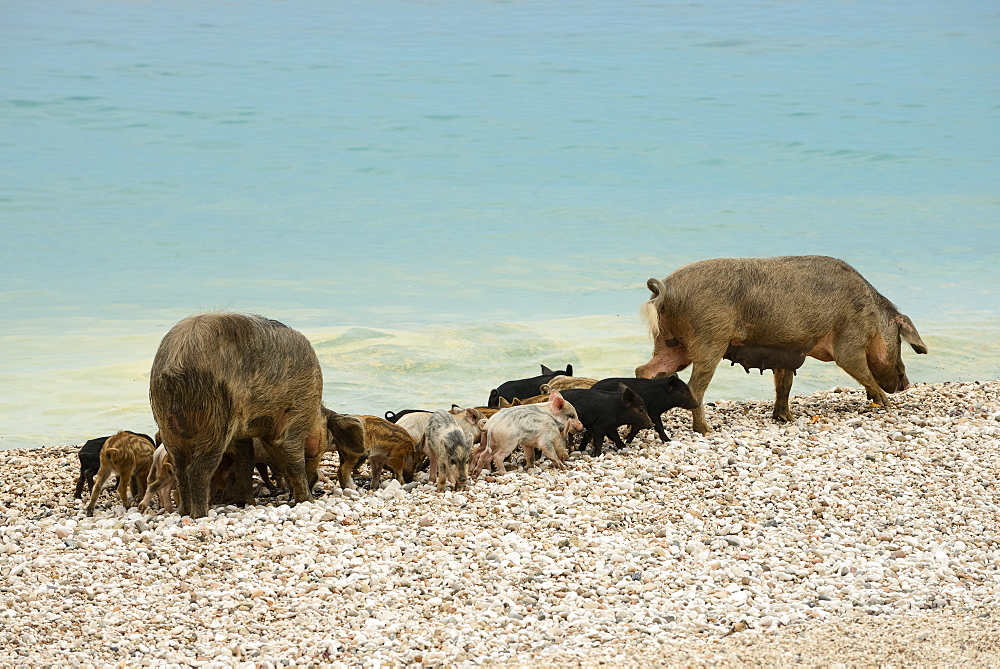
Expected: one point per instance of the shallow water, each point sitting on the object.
(444, 195)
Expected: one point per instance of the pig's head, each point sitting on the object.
(670, 355)
(565, 414)
(634, 408)
(885, 359)
(678, 391)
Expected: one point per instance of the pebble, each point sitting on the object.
(751, 529)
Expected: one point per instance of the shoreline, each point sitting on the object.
(853, 537)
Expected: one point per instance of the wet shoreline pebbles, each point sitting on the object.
(756, 544)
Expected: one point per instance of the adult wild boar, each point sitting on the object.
(811, 305)
(218, 381)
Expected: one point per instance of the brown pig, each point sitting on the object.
(346, 435)
(517, 401)
(566, 382)
(811, 305)
(218, 381)
(130, 456)
(389, 445)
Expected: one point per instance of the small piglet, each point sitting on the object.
(389, 445)
(130, 456)
(346, 435)
(449, 449)
(525, 387)
(90, 462)
(566, 382)
(160, 481)
(545, 427)
(602, 411)
(659, 395)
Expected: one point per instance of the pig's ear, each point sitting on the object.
(503, 404)
(546, 389)
(910, 335)
(569, 370)
(629, 396)
(557, 400)
(546, 370)
(472, 416)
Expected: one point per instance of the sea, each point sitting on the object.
(446, 194)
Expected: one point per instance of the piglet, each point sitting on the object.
(449, 449)
(545, 427)
(603, 411)
(659, 395)
(130, 456)
(389, 445)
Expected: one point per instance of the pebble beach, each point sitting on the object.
(854, 536)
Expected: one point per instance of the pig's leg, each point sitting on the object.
(194, 474)
(782, 389)
(661, 431)
(241, 475)
(139, 487)
(855, 363)
(95, 492)
(78, 494)
(529, 456)
(348, 463)
(702, 372)
(432, 472)
(293, 460)
(616, 438)
(124, 479)
(376, 465)
(265, 479)
(442, 480)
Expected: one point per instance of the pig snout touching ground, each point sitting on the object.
(218, 381)
(389, 445)
(525, 387)
(544, 427)
(346, 435)
(603, 411)
(130, 456)
(449, 449)
(90, 463)
(160, 481)
(816, 306)
(565, 383)
(658, 395)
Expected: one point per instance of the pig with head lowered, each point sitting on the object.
(449, 449)
(346, 435)
(218, 381)
(129, 455)
(389, 445)
(810, 305)
(545, 427)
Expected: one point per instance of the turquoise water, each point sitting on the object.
(443, 195)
